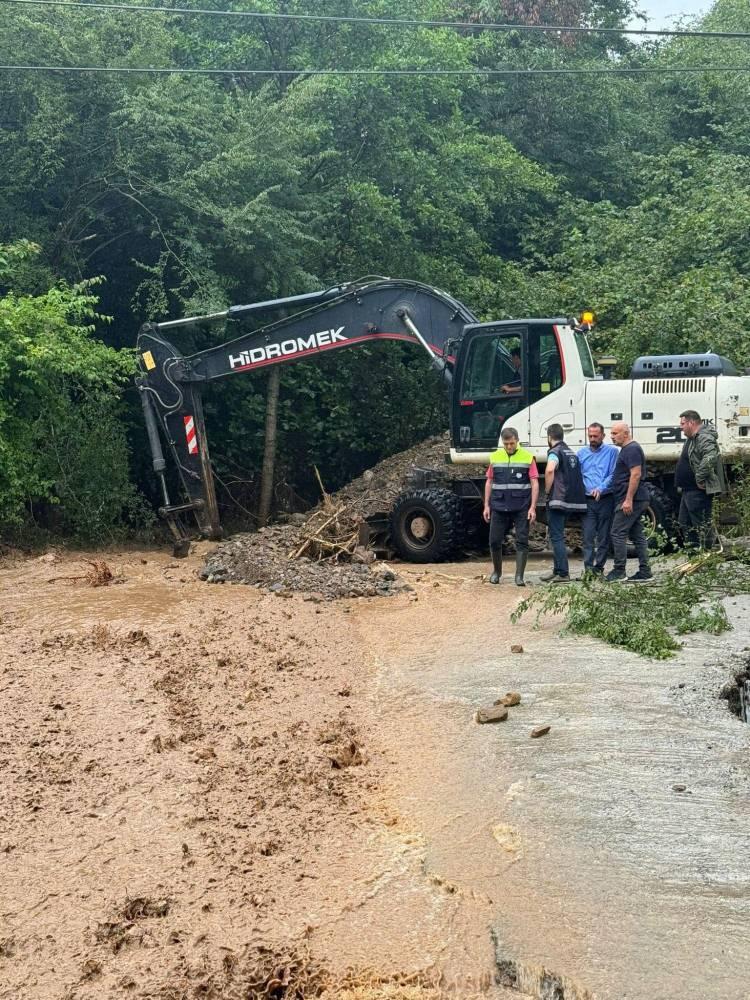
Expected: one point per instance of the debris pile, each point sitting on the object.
(375, 490)
(321, 552)
(266, 559)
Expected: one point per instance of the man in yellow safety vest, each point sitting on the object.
(510, 498)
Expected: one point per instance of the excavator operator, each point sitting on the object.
(514, 385)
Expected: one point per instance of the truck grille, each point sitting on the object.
(657, 386)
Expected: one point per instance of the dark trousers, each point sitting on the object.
(626, 526)
(501, 521)
(597, 522)
(696, 507)
(556, 523)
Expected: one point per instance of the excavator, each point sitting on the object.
(526, 372)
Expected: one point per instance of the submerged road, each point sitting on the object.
(614, 849)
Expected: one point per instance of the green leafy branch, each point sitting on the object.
(647, 618)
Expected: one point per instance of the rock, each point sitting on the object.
(498, 713)
(510, 699)
(363, 555)
(540, 731)
(516, 649)
(275, 588)
(679, 788)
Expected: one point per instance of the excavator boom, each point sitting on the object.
(351, 315)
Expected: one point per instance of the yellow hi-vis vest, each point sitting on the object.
(511, 483)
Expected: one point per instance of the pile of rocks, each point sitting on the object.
(317, 553)
(263, 559)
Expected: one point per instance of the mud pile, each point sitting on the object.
(265, 559)
(319, 553)
(375, 490)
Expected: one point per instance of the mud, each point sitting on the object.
(214, 792)
(192, 800)
(265, 559)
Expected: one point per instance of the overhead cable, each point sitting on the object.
(386, 21)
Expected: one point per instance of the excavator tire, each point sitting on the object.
(426, 525)
(661, 527)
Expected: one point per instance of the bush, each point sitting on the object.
(63, 453)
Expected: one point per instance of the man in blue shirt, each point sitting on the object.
(598, 462)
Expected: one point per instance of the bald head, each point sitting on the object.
(620, 433)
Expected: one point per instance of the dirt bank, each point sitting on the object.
(194, 799)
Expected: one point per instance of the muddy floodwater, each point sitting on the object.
(615, 848)
(212, 791)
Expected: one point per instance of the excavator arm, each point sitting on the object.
(171, 384)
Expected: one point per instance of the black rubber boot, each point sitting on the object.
(497, 565)
(521, 558)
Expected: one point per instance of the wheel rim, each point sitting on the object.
(418, 529)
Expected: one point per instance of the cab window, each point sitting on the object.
(584, 353)
(545, 364)
(492, 388)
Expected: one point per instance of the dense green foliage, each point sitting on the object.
(519, 196)
(62, 440)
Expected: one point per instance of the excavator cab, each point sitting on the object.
(502, 368)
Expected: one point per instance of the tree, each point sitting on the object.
(63, 455)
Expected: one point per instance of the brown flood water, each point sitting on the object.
(166, 742)
(613, 851)
(167, 745)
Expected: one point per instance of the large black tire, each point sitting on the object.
(426, 525)
(662, 529)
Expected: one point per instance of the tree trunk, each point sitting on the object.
(269, 453)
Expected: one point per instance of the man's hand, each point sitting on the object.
(596, 494)
(486, 514)
(627, 506)
(531, 515)
(701, 486)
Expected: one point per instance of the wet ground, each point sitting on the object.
(193, 800)
(614, 849)
(191, 774)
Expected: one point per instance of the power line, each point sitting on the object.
(385, 21)
(177, 71)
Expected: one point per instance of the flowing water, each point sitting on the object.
(608, 859)
(614, 849)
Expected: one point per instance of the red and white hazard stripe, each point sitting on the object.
(192, 437)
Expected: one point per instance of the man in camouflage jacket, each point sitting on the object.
(699, 477)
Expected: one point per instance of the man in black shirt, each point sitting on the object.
(631, 500)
